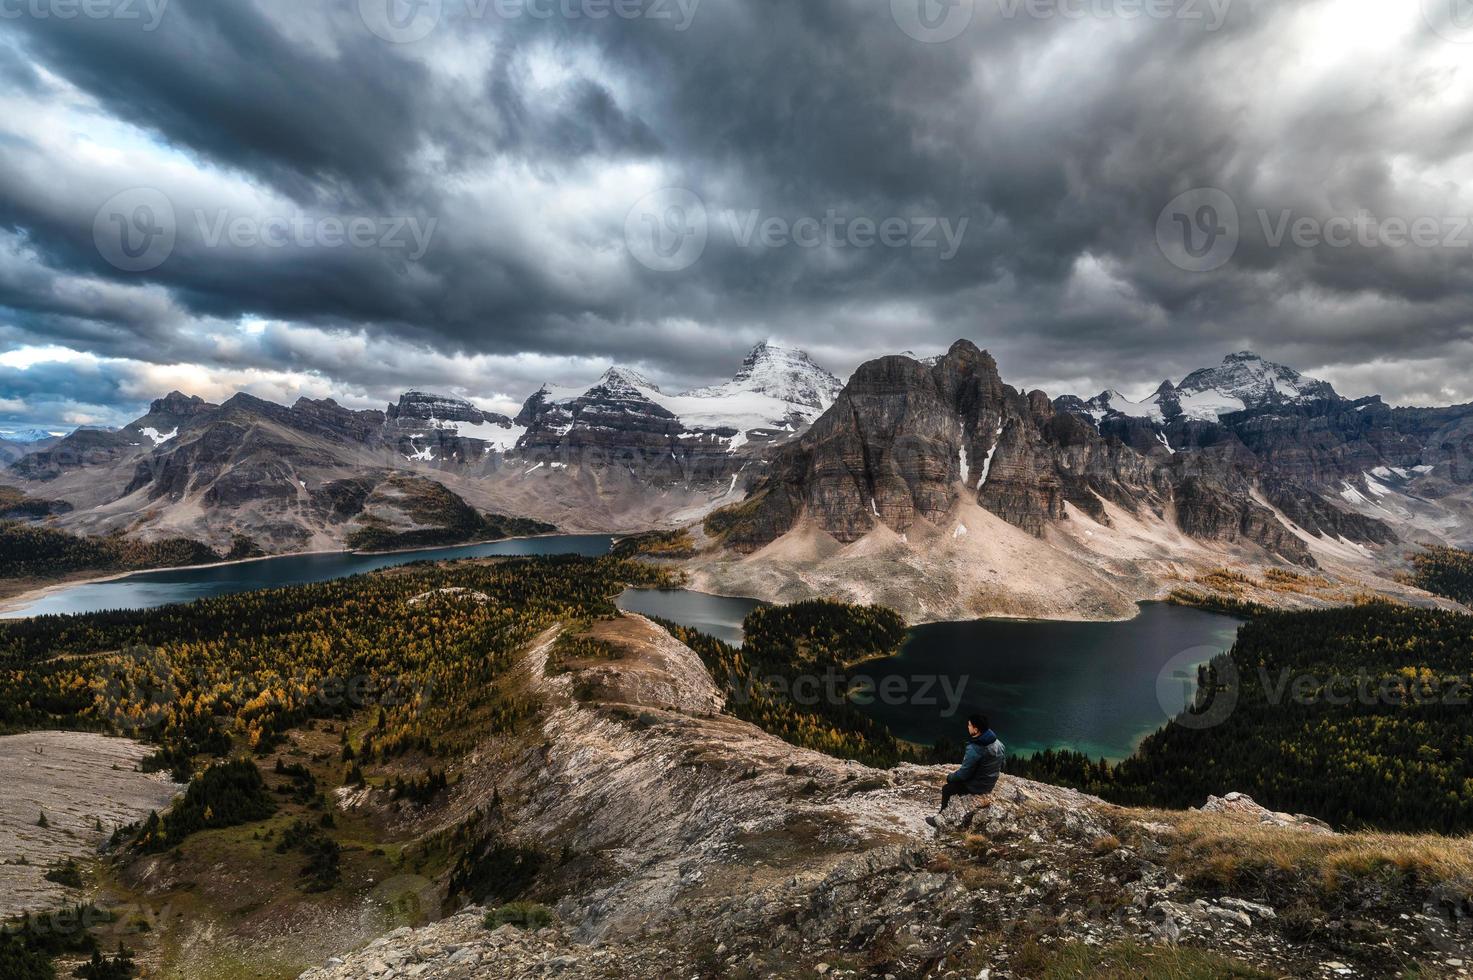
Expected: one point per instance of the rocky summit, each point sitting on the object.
(907, 440)
(1243, 382)
(935, 487)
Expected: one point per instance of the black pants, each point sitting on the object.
(957, 789)
(952, 789)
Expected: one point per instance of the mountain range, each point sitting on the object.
(14, 445)
(618, 455)
(934, 487)
(928, 483)
(1243, 382)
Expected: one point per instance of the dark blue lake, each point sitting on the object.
(1094, 687)
(146, 590)
(1098, 688)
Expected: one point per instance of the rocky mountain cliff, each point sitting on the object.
(427, 428)
(1357, 470)
(783, 374)
(14, 445)
(934, 487)
(702, 436)
(89, 447)
(906, 441)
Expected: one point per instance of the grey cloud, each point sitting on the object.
(1059, 141)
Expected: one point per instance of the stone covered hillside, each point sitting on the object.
(669, 839)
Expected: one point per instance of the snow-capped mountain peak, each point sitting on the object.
(1250, 381)
(26, 436)
(1112, 402)
(420, 416)
(776, 388)
(783, 373)
(778, 392)
(1243, 381)
(620, 378)
(424, 405)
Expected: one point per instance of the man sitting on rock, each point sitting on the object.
(979, 770)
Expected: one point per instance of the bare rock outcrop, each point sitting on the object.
(1240, 806)
(65, 792)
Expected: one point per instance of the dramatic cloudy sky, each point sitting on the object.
(536, 188)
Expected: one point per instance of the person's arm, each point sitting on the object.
(968, 767)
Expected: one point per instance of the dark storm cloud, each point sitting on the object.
(221, 80)
(526, 141)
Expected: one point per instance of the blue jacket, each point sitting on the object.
(983, 763)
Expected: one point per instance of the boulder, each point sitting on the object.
(1240, 806)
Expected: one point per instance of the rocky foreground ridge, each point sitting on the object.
(696, 845)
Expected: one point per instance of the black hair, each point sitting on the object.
(979, 721)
